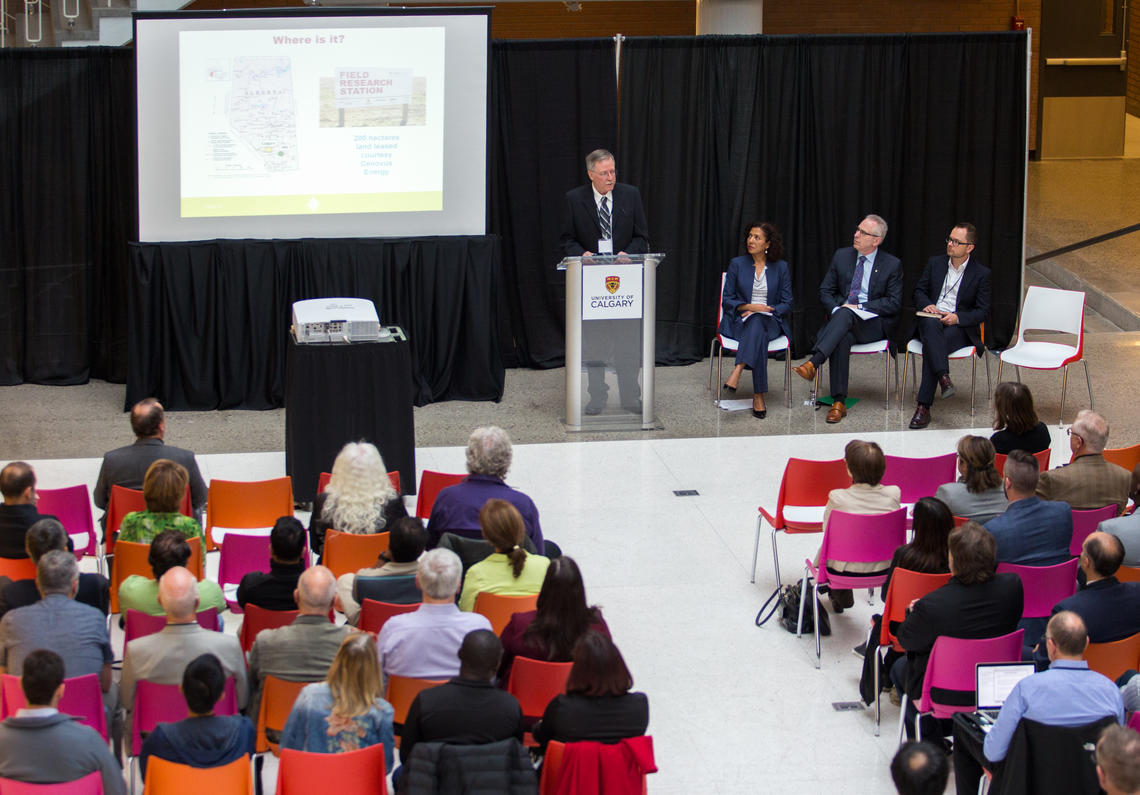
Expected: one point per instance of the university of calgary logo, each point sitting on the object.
(613, 283)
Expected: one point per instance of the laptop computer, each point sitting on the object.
(993, 682)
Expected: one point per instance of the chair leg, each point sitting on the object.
(989, 384)
(803, 590)
(776, 560)
(918, 726)
(1088, 383)
(756, 548)
(902, 719)
(973, 381)
(815, 612)
(887, 379)
(1064, 385)
(788, 375)
(871, 596)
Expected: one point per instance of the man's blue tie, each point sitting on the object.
(857, 282)
(604, 218)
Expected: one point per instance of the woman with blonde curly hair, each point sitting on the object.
(359, 499)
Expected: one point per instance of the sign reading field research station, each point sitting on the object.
(611, 291)
(370, 87)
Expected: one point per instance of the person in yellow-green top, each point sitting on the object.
(164, 487)
(510, 570)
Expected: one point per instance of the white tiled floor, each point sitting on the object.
(734, 708)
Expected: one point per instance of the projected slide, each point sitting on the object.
(323, 120)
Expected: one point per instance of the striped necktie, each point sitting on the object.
(604, 218)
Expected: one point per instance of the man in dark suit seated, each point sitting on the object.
(1087, 481)
(607, 217)
(1032, 531)
(956, 288)
(18, 512)
(273, 590)
(862, 292)
(44, 536)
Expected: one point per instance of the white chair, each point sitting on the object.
(1047, 309)
(879, 346)
(721, 343)
(914, 349)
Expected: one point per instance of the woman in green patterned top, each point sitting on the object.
(163, 489)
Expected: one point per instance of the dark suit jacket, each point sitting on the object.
(1033, 532)
(1109, 608)
(580, 230)
(462, 712)
(14, 523)
(973, 294)
(957, 610)
(127, 467)
(884, 293)
(738, 290)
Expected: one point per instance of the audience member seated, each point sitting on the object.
(44, 536)
(1032, 531)
(510, 570)
(1118, 761)
(1127, 528)
(161, 657)
(976, 603)
(127, 466)
(274, 590)
(866, 495)
(303, 650)
(406, 541)
(1016, 426)
(41, 745)
(920, 769)
(550, 632)
(76, 632)
(347, 711)
(164, 488)
(1109, 609)
(456, 508)
(359, 499)
(597, 704)
(424, 643)
(18, 511)
(927, 553)
(1088, 481)
(978, 494)
(203, 739)
(469, 709)
(1068, 694)
(168, 550)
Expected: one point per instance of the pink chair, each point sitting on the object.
(920, 477)
(140, 624)
(1044, 586)
(91, 784)
(82, 697)
(72, 506)
(155, 704)
(854, 538)
(1085, 524)
(241, 554)
(1134, 721)
(952, 667)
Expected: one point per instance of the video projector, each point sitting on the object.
(336, 320)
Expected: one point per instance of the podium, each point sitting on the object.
(611, 311)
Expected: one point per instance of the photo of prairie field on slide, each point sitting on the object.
(383, 116)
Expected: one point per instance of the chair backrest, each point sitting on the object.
(155, 704)
(397, 589)
(431, 484)
(1044, 586)
(1113, 659)
(555, 750)
(1127, 457)
(327, 476)
(374, 615)
(360, 772)
(241, 504)
(401, 691)
(1085, 524)
(535, 683)
(82, 697)
(277, 697)
(170, 778)
(1049, 309)
(861, 538)
(91, 784)
(806, 483)
(17, 568)
(498, 608)
(123, 501)
(720, 307)
(346, 552)
(72, 506)
(131, 558)
(920, 477)
(241, 554)
(258, 618)
(1042, 460)
(953, 662)
(905, 587)
(140, 624)
(1128, 574)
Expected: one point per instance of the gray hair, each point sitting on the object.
(879, 222)
(316, 587)
(597, 156)
(489, 452)
(439, 572)
(1093, 428)
(56, 572)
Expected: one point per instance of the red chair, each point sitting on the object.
(431, 484)
(17, 569)
(241, 554)
(1044, 586)
(952, 667)
(374, 615)
(327, 476)
(1042, 461)
(560, 757)
(1085, 524)
(799, 506)
(155, 704)
(139, 624)
(1114, 658)
(853, 538)
(535, 683)
(91, 784)
(123, 501)
(359, 772)
(920, 477)
(72, 506)
(82, 697)
(258, 618)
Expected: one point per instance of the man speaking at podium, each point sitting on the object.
(606, 217)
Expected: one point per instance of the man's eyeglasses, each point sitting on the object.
(860, 231)
(954, 242)
(1070, 433)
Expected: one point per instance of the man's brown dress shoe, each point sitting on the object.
(921, 417)
(947, 385)
(805, 371)
(838, 411)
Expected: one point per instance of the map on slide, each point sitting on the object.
(261, 112)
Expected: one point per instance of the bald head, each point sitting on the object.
(1067, 636)
(1101, 555)
(316, 590)
(178, 595)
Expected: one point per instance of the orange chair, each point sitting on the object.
(131, 558)
(1042, 461)
(1128, 574)
(327, 476)
(17, 568)
(91, 784)
(359, 772)
(374, 615)
(400, 692)
(245, 505)
(499, 608)
(258, 618)
(431, 484)
(1127, 457)
(348, 552)
(123, 501)
(535, 683)
(277, 697)
(1113, 659)
(170, 778)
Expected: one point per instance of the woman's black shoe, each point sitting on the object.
(759, 414)
(730, 389)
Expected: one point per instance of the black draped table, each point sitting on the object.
(342, 393)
